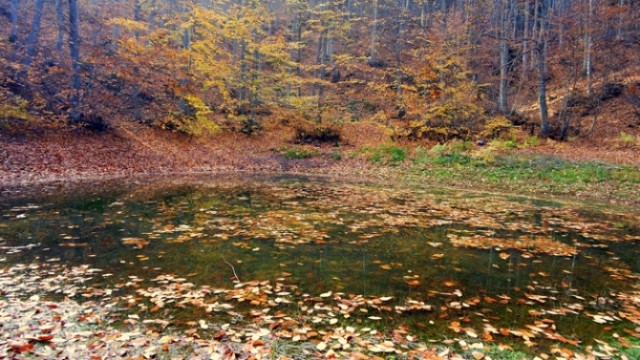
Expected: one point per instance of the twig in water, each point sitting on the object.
(232, 269)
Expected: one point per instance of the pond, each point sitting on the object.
(443, 264)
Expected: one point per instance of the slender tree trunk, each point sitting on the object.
(542, 76)
(116, 28)
(373, 58)
(525, 41)
(243, 71)
(621, 21)
(535, 30)
(503, 105)
(587, 48)
(255, 88)
(14, 20)
(60, 19)
(34, 34)
(137, 16)
(542, 92)
(74, 48)
(443, 10)
(299, 54)
(399, 41)
(152, 15)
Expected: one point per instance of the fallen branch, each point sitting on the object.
(232, 269)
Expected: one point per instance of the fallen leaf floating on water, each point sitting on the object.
(413, 283)
(138, 243)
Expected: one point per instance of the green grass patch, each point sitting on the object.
(387, 154)
(297, 152)
(487, 168)
(497, 353)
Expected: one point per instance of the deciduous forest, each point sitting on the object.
(436, 70)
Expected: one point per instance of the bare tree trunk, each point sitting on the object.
(621, 21)
(74, 46)
(542, 91)
(525, 41)
(443, 10)
(34, 34)
(14, 20)
(542, 76)
(137, 16)
(535, 30)
(503, 105)
(299, 54)
(373, 58)
(60, 19)
(587, 48)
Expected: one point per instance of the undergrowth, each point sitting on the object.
(386, 154)
(496, 166)
(297, 152)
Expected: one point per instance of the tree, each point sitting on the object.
(541, 42)
(75, 115)
(34, 34)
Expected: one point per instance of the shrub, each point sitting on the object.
(318, 134)
(12, 107)
(496, 127)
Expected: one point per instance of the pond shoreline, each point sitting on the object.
(606, 195)
(60, 158)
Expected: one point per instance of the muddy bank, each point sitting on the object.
(38, 158)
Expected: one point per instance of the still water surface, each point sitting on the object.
(476, 259)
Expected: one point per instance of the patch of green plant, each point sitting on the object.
(439, 149)
(297, 152)
(420, 156)
(336, 155)
(451, 159)
(627, 139)
(282, 348)
(496, 353)
(632, 353)
(388, 154)
(460, 146)
(531, 141)
(506, 144)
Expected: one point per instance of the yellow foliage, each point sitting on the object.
(13, 107)
(128, 24)
(494, 126)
